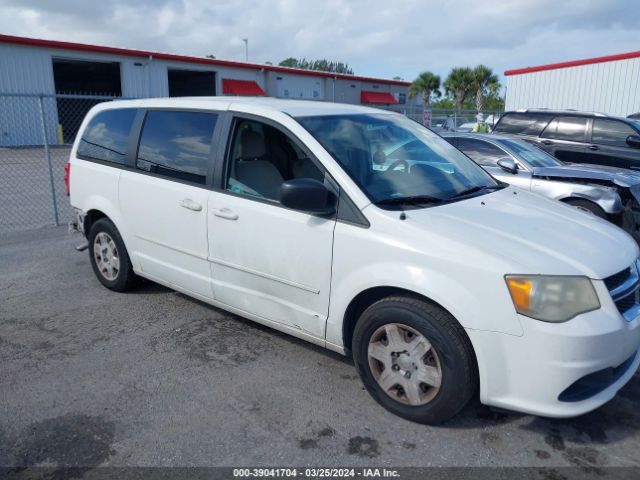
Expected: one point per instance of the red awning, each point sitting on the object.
(242, 87)
(380, 98)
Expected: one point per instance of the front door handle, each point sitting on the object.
(190, 205)
(225, 213)
(546, 142)
(594, 147)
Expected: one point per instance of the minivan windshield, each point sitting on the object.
(396, 161)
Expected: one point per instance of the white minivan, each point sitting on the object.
(362, 231)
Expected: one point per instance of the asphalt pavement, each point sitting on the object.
(89, 377)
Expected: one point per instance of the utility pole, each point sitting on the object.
(246, 49)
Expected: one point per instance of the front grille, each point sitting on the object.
(623, 287)
(614, 281)
(626, 303)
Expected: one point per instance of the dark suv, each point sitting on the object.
(577, 137)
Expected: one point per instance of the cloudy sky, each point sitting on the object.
(375, 37)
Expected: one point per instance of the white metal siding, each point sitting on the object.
(607, 87)
(297, 87)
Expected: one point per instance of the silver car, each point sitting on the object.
(608, 192)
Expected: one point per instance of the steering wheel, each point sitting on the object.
(398, 163)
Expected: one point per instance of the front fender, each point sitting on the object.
(606, 198)
(475, 308)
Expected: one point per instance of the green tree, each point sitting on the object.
(322, 65)
(289, 62)
(211, 56)
(427, 85)
(493, 102)
(484, 82)
(459, 84)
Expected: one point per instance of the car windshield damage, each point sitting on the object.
(397, 162)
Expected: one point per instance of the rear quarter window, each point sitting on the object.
(611, 132)
(107, 135)
(523, 123)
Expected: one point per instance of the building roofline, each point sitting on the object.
(574, 63)
(83, 47)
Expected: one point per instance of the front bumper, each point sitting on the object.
(533, 373)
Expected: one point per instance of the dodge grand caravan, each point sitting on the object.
(439, 280)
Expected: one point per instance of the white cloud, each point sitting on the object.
(376, 37)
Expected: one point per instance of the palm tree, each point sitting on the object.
(459, 83)
(484, 82)
(426, 85)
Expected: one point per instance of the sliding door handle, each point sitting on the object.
(225, 213)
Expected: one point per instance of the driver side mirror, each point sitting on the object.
(633, 141)
(307, 195)
(508, 165)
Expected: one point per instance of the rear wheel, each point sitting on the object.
(109, 258)
(415, 359)
(587, 206)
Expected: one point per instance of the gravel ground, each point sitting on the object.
(153, 378)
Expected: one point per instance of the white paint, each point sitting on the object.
(271, 261)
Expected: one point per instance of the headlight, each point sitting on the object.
(552, 298)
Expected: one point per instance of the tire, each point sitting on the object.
(109, 258)
(451, 353)
(586, 205)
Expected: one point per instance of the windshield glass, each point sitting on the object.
(392, 157)
(531, 154)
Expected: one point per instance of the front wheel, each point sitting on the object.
(109, 258)
(587, 206)
(415, 359)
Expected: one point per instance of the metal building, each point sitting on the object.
(608, 84)
(72, 73)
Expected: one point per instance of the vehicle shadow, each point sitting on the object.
(613, 422)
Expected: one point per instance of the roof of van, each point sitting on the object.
(295, 108)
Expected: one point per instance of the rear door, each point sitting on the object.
(268, 260)
(164, 198)
(565, 138)
(608, 144)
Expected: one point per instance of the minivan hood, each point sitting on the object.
(531, 233)
(619, 176)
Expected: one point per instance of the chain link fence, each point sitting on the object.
(36, 133)
(445, 120)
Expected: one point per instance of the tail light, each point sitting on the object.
(67, 176)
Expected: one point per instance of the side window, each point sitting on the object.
(523, 123)
(483, 153)
(611, 132)
(261, 158)
(566, 128)
(176, 144)
(107, 135)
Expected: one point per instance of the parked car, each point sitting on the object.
(577, 137)
(607, 192)
(434, 276)
(634, 116)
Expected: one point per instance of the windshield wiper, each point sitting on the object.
(477, 188)
(412, 200)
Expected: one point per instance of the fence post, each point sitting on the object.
(48, 155)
